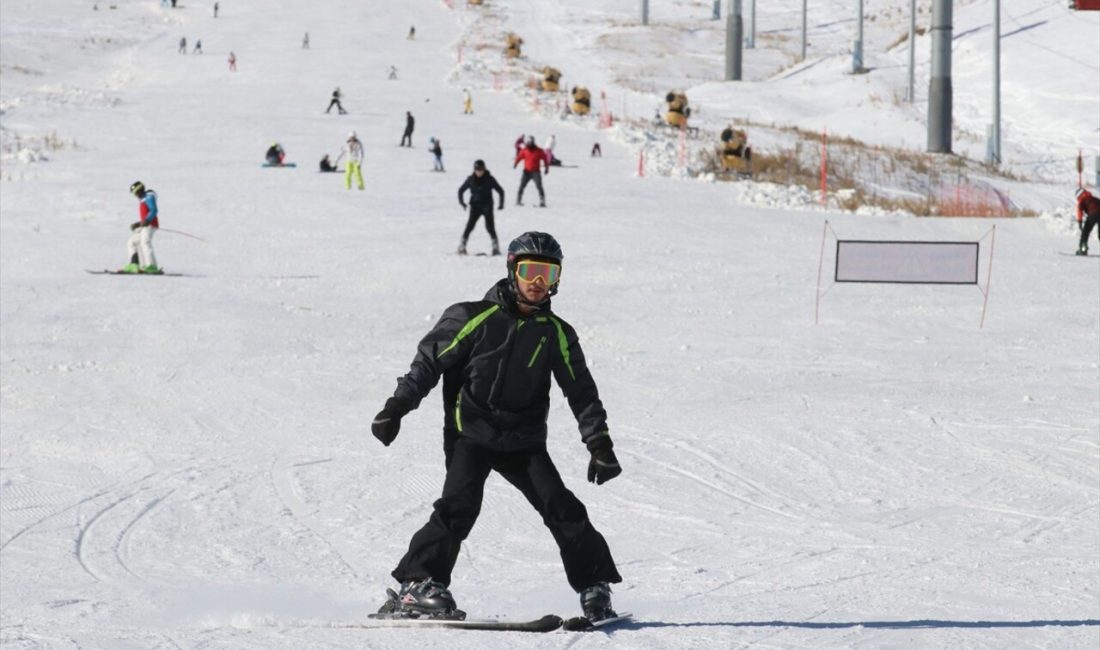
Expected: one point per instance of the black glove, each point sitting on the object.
(388, 421)
(603, 466)
(135, 225)
(501, 206)
(462, 204)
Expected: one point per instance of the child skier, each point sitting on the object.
(496, 357)
(481, 185)
(140, 244)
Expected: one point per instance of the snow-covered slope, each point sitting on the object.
(186, 462)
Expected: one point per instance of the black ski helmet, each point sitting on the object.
(137, 187)
(538, 245)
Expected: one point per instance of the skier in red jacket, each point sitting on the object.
(1088, 216)
(532, 158)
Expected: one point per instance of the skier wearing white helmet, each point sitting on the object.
(353, 150)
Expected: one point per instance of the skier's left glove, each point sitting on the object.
(388, 421)
(462, 204)
(135, 225)
(603, 466)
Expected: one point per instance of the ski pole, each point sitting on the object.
(180, 232)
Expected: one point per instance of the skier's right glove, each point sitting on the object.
(462, 204)
(135, 225)
(603, 466)
(388, 421)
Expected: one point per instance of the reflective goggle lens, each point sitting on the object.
(529, 270)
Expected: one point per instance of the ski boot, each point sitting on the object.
(496, 247)
(424, 598)
(1083, 249)
(462, 247)
(152, 269)
(519, 200)
(542, 202)
(596, 602)
(132, 267)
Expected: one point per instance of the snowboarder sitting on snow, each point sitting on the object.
(532, 157)
(481, 185)
(496, 357)
(1089, 205)
(140, 244)
(327, 166)
(275, 154)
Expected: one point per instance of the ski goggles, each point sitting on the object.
(531, 270)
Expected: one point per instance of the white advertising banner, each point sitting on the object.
(907, 262)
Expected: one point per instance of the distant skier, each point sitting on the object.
(531, 157)
(305, 41)
(198, 47)
(407, 136)
(597, 152)
(215, 10)
(496, 357)
(393, 72)
(412, 33)
(481, 185)
(336, 102)
(467, 102)
(551, 142)
(183, 45)
(275, 155)
(140, 245)
(437, 154)
(1088, 208)
(232, 62)
(326, 165)
(353, 150)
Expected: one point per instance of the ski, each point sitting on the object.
(110, 272)
(547, 623)
(281, 165)
(1076, 255)
(582, 624)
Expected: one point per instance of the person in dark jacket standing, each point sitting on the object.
(335, 101)
(481, 185)
(1088, 217)
(407, 136)
(496, 357)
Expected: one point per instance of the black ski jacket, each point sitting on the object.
(481, 190)
(496, 365)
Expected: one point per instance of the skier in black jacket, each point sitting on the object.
(481, 185)
(496, 357)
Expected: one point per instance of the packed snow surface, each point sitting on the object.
(186, 462)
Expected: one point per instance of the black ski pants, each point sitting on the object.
(1091, 222)
(477, 211)
(407, 136)
(434, 549)
(339, 107)
(527, 177)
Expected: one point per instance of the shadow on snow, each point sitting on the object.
(889, 625)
